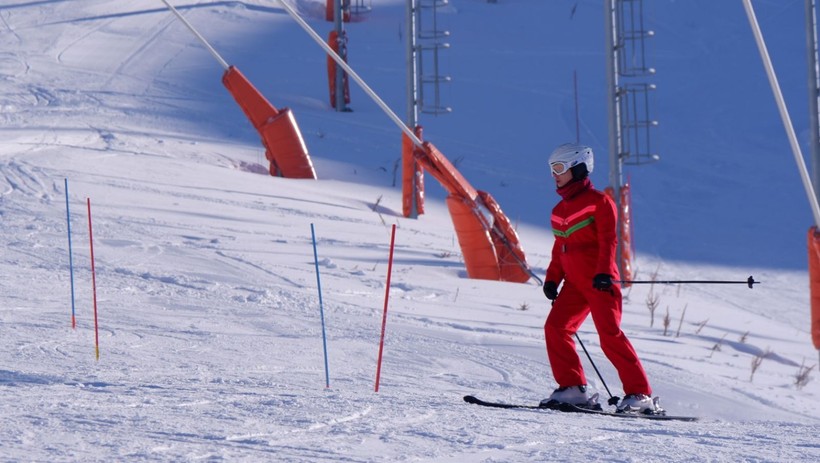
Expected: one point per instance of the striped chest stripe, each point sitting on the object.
(563, 222)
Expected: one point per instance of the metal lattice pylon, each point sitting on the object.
(632, 93)
(430, 41)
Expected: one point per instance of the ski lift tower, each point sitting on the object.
(425, 40)
(630, 124)
(358, 7)
(425, 43)
(340, 10)
(814, 93)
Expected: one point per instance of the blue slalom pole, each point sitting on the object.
(321, 306)
(70, 258)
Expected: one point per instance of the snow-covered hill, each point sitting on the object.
(210, 328)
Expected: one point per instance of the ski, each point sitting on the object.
(475, 400)
(568, 408)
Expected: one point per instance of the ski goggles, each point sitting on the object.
(559, 167)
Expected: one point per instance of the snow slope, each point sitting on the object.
(210, 328)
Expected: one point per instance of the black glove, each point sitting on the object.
(550, 290)
(602, 282)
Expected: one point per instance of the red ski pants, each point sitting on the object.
(569, 311)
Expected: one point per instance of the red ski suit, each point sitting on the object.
(585, 239)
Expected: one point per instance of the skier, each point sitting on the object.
(583, 257)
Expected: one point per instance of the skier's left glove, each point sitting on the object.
(550, 290)
(602, 282)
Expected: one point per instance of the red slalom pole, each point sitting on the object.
(93, 283)
(386, 298)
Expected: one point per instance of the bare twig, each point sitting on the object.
(652, 302)
(680, 324)
(802, 377)
(396, 170)
(757, 360)
(654, 275)
(701, 325)
(716, 347)
(376, 204)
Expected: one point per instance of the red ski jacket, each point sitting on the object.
(585, 238)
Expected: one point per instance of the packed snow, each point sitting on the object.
(211, 331)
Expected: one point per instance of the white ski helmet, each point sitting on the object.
(569, 155)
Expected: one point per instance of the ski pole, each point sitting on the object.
(749, 281)
(612, 399)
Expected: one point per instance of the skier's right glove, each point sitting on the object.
(550, 290)
(602, 282)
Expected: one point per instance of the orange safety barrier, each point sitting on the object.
(814, 284)
(474, 238)
(626, 234)
(412, 183)
(284, 146)
(489, 244)
(625, 228)
(330, 10)
(511, 259)
(445, 172)
(340, 47)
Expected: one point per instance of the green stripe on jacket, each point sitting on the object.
(574, 228)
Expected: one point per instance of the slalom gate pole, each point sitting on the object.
(321, 305)
(93, 284)
(70, 257)
(208, 46)
(335, 56)
(612, 399)
(386, 298)
(749, 281)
